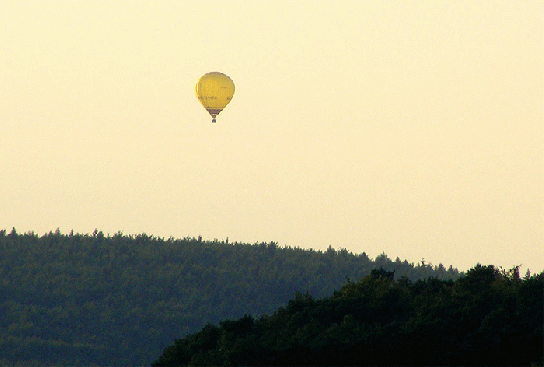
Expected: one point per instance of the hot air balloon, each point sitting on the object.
(214, 91)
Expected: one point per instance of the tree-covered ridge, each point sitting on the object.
(490, 317)
(95, 299)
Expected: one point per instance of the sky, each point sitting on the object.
(410, 128)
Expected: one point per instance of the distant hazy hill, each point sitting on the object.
(487, 318)
(83, 299)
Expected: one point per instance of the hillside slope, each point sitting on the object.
(489, 317)
(91, 299)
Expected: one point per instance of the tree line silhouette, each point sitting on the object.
(489, 317)
(97, 299)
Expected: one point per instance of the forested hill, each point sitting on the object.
(95, 299)
(487, 318)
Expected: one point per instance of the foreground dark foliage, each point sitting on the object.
(95, 299)
(488, 317)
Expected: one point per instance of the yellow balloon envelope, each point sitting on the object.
(214, 91)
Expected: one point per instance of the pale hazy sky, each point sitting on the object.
(414, 128)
